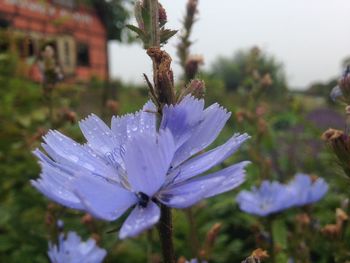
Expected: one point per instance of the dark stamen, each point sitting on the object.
(143, 199)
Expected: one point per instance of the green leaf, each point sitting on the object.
(135, 29)
(166, 34)
(279, 232)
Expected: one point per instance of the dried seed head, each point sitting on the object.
(341, 215)
(339, 142)
(162, 15)
(303, 219)
(97, 237)
(266, 80)
(331, 230)
(87, 219)
(257, 256)
(342, 90)
(192, 65)
(260, 254)
(181, 260)
(112, 105)
(196, 88)
(192, 8)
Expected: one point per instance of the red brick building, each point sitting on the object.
(74, 30)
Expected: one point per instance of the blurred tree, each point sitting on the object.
(242, 71)
(114, 14)
(322, 89)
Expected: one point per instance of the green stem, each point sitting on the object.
(155, 38)
(149, 246)
(194, 242)
(155, 35)
(165, 229)
(272, 241)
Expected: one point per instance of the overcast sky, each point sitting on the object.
(310, 37)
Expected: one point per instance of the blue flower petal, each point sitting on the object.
(270, 197)
(69, 153)
(182, 118)
(205, 161)
(305, 190)
(103, 199)
(190, 192)
(55, 183)
(144, 121)
(147, 161)
(214, 119)
(139, 220)
(72, 250)
(100, 138)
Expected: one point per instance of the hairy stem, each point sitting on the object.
(155, 36)
(193, 238)
(165, 229)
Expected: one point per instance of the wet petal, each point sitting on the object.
(144, 121)
(78, 157)
(55, 182)
(189, 192)
(182, 118)
(140, 220)
(204, 134)
(205, 161)
(103, 199)
(147, 161)
(229, 178)
(101, 139)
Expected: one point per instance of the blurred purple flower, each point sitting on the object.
(196, 261)
(134, 164)
(270, 197)
(274, 197)
(305, 191)
(73, 250)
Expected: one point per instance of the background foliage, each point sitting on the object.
(285, 127)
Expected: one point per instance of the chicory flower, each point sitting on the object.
(272, 197)
(135, 164)
(72, 250)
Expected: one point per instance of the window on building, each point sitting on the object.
(4, 23)
(83, 58)
(26, 47)
(66, 54)
(4, 44)
(65, 3)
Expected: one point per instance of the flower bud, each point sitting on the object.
(331, 230)
(196, 88)
(162, 15)
(340, 145)
(192, 65)
(257, 256)
(303, 219)
(192, 7)
(87, 219)
(266, 80)
(341, 215)
(342, 90)
(112, 105)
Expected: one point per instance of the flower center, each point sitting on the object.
(143, 199)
